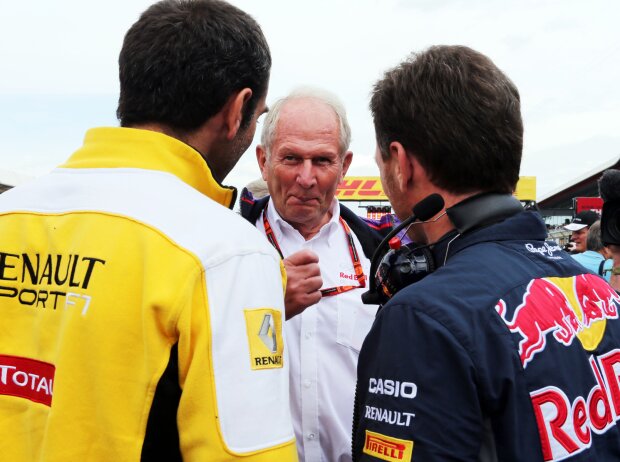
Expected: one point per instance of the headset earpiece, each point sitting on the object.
(400, 267)
(424, 210)
(405, 265)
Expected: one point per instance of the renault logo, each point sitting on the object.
(267, 333)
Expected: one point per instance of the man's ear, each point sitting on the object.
(404, 167)
(346, 163)
(233, 111)
(261, 157)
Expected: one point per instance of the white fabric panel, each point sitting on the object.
(189, 218)
(158, 199)
(250, 401)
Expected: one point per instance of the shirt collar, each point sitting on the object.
(118, 147)
(282, 228)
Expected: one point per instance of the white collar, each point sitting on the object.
(281, 227)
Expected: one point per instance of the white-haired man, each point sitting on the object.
(303, 156)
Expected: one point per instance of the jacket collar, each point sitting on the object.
(144, 149)
(488, 218)
(482, 209)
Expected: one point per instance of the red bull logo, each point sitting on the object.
(566, 308)
(566, 428)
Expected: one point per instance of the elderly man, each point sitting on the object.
(509, 350)
(303, 156)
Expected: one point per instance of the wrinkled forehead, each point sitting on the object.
(305, 116)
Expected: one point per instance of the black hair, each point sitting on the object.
(183, 59)
(457, 113)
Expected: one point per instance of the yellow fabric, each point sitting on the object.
(145, 149)
(110, 297)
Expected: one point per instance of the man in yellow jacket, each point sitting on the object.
(141, 318)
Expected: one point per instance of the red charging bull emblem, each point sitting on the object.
(567, 308)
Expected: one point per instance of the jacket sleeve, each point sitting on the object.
(416, 396)
(235, 380)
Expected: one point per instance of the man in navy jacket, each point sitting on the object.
(509, 350)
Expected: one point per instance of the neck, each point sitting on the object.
(474, 212)
(308, 231)
(434, 230)
(160, 128)
(429, 233)
(201, 139)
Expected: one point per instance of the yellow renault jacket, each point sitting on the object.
(140, 319)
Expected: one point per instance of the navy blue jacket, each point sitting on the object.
(508, 352)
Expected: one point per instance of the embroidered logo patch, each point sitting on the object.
(387, 447)
(264, 328)
(27, 378)
(563, 309)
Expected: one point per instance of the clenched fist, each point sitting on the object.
(303, 282)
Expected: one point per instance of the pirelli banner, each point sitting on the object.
(368, 188)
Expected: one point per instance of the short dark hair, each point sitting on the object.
(457, 113)
(183, 59)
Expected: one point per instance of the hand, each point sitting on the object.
(303, 282)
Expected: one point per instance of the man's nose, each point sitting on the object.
(306, 177)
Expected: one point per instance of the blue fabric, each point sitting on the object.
(491, 343)
(591, 260)
(607, 267)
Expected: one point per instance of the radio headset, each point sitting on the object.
(403, 265)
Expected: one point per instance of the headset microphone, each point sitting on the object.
(413, 264)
